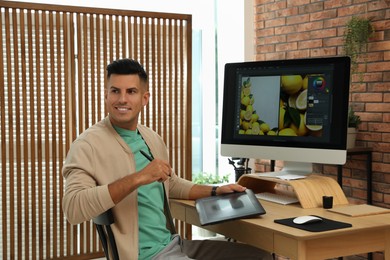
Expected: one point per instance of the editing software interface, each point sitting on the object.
(284, 104)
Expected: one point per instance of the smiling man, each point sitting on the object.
(106, 168)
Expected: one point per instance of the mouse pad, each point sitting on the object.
(324, 225)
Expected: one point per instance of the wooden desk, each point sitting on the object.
(367, 234)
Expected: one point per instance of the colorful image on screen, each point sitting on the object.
(284, 105)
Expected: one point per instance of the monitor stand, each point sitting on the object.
(291, 170)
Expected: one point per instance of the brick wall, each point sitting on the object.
(287, 29)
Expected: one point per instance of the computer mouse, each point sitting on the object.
(306, 220)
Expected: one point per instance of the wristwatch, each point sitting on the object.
(214, 191)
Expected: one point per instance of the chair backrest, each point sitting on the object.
(103, 225)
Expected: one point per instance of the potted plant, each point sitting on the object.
(353, 123)
(357, 34)
(208, 178)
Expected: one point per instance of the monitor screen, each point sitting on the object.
(290, 110)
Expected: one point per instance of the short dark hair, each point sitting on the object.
(125, 67)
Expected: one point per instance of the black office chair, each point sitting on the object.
(103, 225)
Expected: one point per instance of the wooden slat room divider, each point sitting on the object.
(53, 75)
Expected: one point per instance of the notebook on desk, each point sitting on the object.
(226, 207)
(359, 210)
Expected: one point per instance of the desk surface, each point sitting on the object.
(367, 234)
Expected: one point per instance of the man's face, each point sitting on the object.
(125, 97)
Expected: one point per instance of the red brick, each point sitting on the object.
(286, 12)
(358, 184)
(379, 46)
(381, 86)
(386, 76)
(368, 77)
(265, 48)
(298, 54)
(377, 157)
(378, 107)
(286, 29)
(325, 33)
(310, 44)
(386, 55)
(378, 66)
(330, 4)
(286, 46)
(321, 52)
(386, 117)
(259, 25)
(377, 5)
(352, 10)
(330, 169)
(374, 57)
(260, 41)
(371, 117)
(358, 87)
(381, 167)
(311, 8)
(372, 137)
(297, 37)
(264, 16)
(261, 2)
(275, 56)
(386, 35)
(259, 9)
(329, 14)
(265, 32)
(386, 157)
(275, 22)
(377, 198)
(379, 127)
(378, 36)
(380, 187)
(275, 39)
(336, 22)
(334, 41)
(276, 5)
(386, 139)
(305, 27)
(298, 2)
(386, 97)
(367, 97)
(297, 19)
(260, 57)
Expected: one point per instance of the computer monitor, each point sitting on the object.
(291, 110)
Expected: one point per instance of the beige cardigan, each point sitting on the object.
(98, 157)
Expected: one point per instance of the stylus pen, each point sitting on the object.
(147, 156)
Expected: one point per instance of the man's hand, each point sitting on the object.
(229, 188)
(201, 191)
(156, 170)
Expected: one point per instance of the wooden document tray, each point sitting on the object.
(309, 190)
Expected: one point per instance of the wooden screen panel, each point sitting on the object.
(54, 60)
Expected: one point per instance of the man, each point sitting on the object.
(106, 168)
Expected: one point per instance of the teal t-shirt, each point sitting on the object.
(153, 234)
